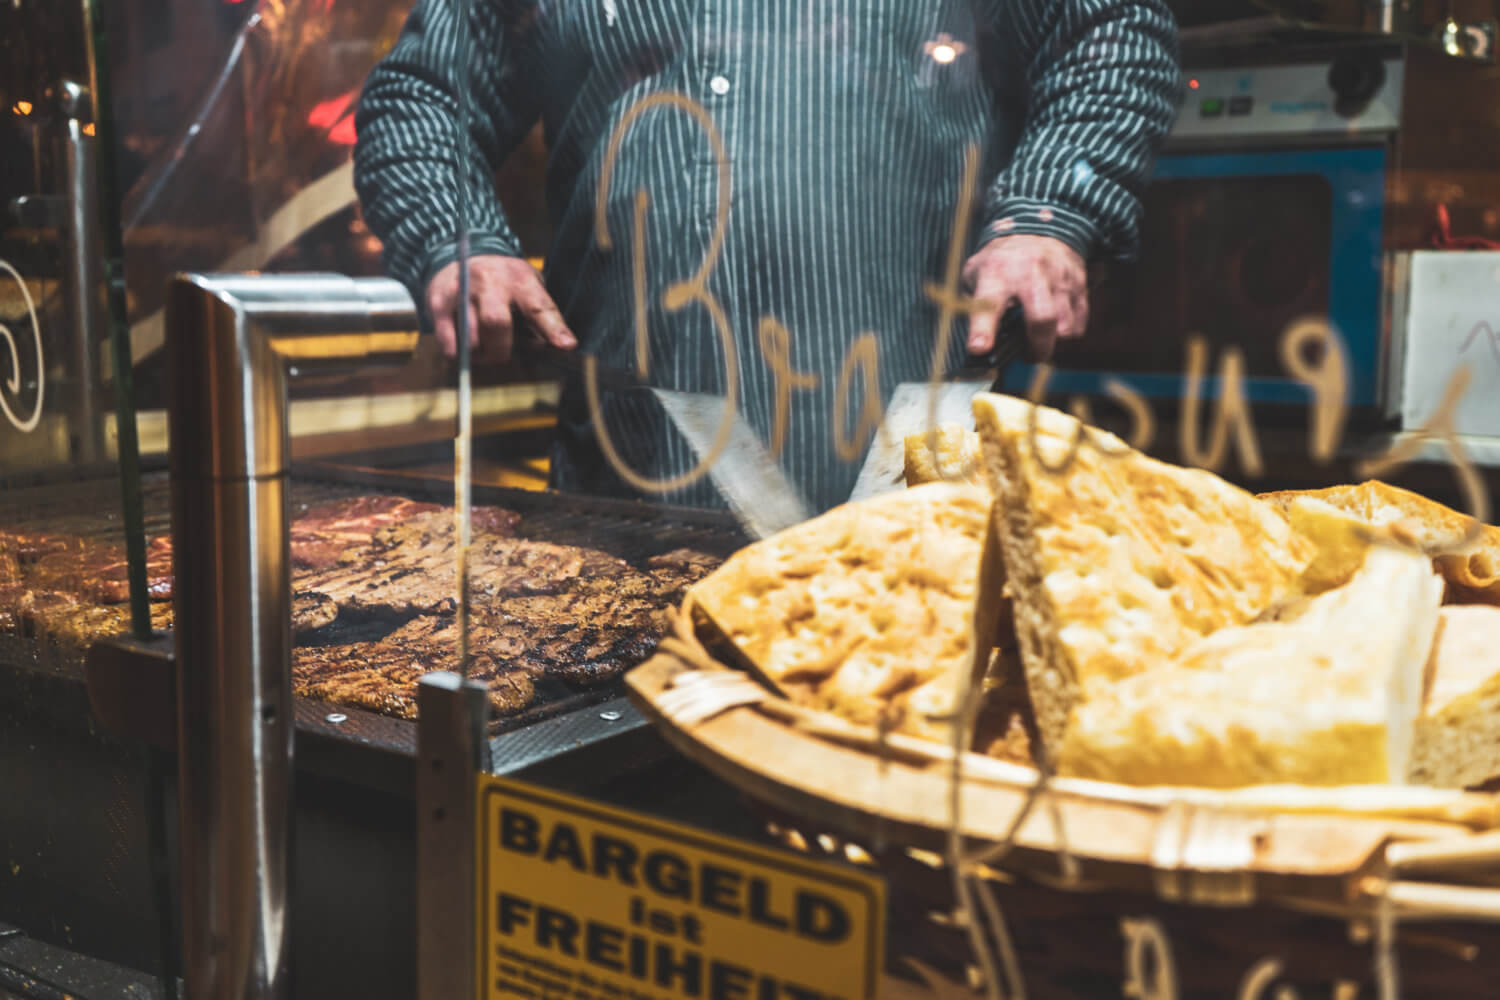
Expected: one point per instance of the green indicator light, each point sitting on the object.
(1212, 106)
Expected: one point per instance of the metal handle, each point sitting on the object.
(230, 341)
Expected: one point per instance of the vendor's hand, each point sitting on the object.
(1045, 275)
(500, 290)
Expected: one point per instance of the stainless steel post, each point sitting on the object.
(452, 750)
(230, 340)
(1388, 16)
(83, 277)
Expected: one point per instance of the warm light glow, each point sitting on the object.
(943, 49)
(88, 128)
(22, 108)
(1192, 84)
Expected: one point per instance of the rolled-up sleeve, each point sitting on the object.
(1102, 89)
(406, 167)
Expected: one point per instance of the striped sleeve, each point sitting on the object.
(1103, 87)
(405, 159)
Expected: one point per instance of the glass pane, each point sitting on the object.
(1225, 229)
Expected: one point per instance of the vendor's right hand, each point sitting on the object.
(501, 289)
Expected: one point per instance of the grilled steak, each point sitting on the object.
(409, 569)
(312, 611)
(589, 634)
(323, 531)
(586, 654)
(97, 571)
(66, 619)
(382, 676)
(679, 569)
(688, 562)
(29, 548)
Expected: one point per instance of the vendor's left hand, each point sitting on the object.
(1046, 276)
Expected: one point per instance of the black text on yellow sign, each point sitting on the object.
(582, 902)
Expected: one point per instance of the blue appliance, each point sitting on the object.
(1290, 178)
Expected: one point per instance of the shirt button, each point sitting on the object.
(719, 85)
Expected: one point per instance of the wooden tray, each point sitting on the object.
(1348, 849)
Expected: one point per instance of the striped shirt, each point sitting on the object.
(844, 126)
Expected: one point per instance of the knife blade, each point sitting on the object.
(750, 481)
(753, 485)
(919, 406)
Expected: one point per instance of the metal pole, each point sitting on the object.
(230, 340)
(84, 275)
(452, 749)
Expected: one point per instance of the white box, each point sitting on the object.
(1450, 318)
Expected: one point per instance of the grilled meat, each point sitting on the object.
(575, 614)
(28, 548)
(320, 533)
(66, 619)
(312, 611)
(679, 569)
(592, 632)
(10, 600)
(685, 561)
(409, 569)
(382, 676)
(584, 654)
(96, 570)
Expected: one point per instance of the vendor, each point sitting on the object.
(845, 126)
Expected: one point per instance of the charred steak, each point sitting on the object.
(382, 676)
(312, 611)
(66, 619)
(97, 571)
(409, 568)
(320, 533)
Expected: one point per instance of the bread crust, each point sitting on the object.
(1468, 559)
(1117, 561)
(882, 611)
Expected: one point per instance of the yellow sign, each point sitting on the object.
(584, 902)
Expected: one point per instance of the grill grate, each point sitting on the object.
(633, 531)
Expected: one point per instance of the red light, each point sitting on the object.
(327, 114)
(343, 133)
(1192, 84)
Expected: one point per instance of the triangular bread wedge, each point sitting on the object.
(1329, 699)
(1118, 562)
(1471, 566)
(868, 611)
(1458, 734)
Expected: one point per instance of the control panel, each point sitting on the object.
(1356, 91)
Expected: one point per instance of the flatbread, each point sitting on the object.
(1458, 734)
(868, 611)
(1119, 562)
(1471, 566)
(1331, 698)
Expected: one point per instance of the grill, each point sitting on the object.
(633, 531)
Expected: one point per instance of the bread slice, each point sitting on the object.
(1118, 562)
(1331, 698)
(869, 610)
(1471, 566)
(1458, 734)
(949, 453)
